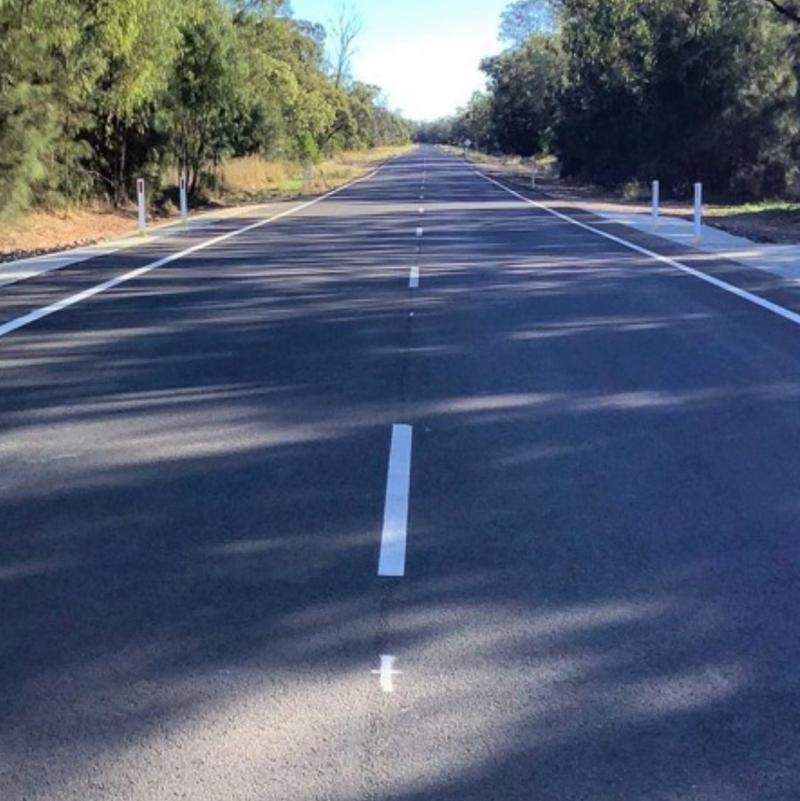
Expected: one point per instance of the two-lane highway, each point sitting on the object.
(418, 493)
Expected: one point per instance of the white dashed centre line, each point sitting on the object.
(420, 231)
(395, 514)
(413, 281)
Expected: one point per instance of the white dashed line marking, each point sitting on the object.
(395, 514)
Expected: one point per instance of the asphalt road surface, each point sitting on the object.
(420, 493)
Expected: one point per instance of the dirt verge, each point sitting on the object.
(41, 232)
(769, 222)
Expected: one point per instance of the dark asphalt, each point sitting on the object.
(603, 553)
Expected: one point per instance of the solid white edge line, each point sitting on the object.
(64, 303)
(768, 305)
(413, 281)
(392, 561)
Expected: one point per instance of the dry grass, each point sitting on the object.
(253, 174)
(243, 180)
(253, 178)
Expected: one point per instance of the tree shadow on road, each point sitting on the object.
(602, 557)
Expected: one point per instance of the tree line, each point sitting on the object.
(95, 93)
(622, 90)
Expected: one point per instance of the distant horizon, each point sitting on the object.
(425, 56)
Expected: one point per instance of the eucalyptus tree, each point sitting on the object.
(526, 85)
(683, 89)
(524, 18)
(94, 93)
(139, 41)
(345, 30)
(206, 92)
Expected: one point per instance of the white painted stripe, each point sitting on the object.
(413, 281)
(420, 231)
(768, 305)
(395, 514)
(64, 303)
(422, 210)
(387, 672)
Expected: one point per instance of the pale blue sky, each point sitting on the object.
(423, 53)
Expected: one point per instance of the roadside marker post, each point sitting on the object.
(184, 200)
(140, 195)
(656, 203)
(698, 212)
(533, 175)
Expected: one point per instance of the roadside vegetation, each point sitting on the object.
(620, 92)
(97, 93)
(765, 221)
(254, 178)
(237, 181)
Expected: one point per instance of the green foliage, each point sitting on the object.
(44, 71)
(94, 93)
(206, 93)
(684, 90)
(629, 90)
(441, 131)
(526, 88)
(474, 123)
(137, 42)
(525, 18)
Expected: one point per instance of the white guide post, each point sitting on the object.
(140, 196)
(698, 212)
(184, 199)
(656, 203)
